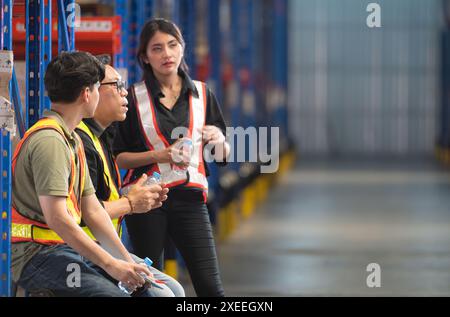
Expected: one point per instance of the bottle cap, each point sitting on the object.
(157, 176)
(148, 262)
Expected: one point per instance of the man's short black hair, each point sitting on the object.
(105, 59)
(69, 73)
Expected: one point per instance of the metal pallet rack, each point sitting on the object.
(38, 48)
(5, 162)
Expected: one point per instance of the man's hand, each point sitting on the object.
(162, 197)
(127, 273)
(143, 198)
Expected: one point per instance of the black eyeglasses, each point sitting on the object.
(120, 84)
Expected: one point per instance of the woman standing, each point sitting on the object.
(165, 106)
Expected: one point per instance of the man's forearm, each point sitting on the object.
(77, 239)
(117, 208)
(57, 218)
(101, 226)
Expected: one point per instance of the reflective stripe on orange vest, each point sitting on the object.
(25, 229)
(114, 195)
(156, 141)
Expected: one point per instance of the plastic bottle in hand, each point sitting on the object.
(182, 145)
(154, 179)
(130, 291)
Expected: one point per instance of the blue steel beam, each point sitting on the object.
(132, 62)
(235, 105)
(140, 12)
(284, 66)
(246, 70)
(5, 168)
(214, 81)
(260, 46)
(5, 261)
(32, 65)
(150, 9)
(187, 18)
(140, 7)
(279, 62)
(121, 8)
(176, 11)
(270, 62)
(45, 45)
(214, 43)
(66, 33)
(38, 52)
(71, 29)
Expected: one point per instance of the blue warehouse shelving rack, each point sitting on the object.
(39, 49)
(254, 68)
(121, 9)
(140, 11)
(187, 24)
(5, 148)
(39, 54)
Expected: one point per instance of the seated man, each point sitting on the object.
(52, 192)
(97, 134)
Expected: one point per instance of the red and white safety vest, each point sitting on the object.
(156, 141)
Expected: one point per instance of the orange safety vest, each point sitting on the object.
(155, 140)
(25, 229)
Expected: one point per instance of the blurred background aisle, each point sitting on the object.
(326, 222)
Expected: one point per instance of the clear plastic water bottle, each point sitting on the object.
(124, 288)
(154, 179)
(185, 145)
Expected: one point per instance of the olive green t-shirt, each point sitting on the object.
(42, 168)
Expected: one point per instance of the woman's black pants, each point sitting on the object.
(184, 217)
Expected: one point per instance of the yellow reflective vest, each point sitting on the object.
(114, 195)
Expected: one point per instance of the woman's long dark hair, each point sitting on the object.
(148, 31)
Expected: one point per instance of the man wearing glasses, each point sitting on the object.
(97, 134)
(52, 192)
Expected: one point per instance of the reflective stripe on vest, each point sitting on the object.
(156, 141)
(114, 195)
(25, 229)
